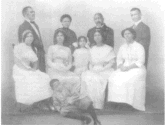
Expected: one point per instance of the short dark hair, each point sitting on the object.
(66, 16)
(133, 9)
(131, 30)
(52, 81)
(56, 33)
(24, 10)
(100, 14)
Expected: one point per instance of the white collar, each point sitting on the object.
(28, 20)
(136, 23)
(100, 26)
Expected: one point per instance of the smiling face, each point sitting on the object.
(98, 20)
(29, 39)
(128, 36)
(82, 43)
(30, 14)
(98, 38)
(66, 22)
(135, 15)
(60, 38)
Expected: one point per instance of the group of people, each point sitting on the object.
(75, 72)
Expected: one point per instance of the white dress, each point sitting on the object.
(96, 79)
(30, 86)
(58, 60)
(81, 60)
(129, 86)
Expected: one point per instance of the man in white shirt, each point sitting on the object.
(37, 44)
(142, 31)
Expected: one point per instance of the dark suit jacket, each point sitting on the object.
(37, 43)
(143, 37)
(108, 34)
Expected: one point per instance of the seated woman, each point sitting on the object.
(59, 60)
(71, 35)
(31, 85)
(127, 84)
(96, 79)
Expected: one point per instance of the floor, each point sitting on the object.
(154, 114)
(106, 119)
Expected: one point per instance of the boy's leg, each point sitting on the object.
(86, 104)
(92, 112)
(75, 113)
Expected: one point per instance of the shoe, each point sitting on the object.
(97, 122)
(86, 120)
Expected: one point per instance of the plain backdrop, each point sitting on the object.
(117, 16)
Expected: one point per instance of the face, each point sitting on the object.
(135, 15)
(29, 39)
(82, 43)
(128, 36)
(30, 14)
(66, 22)
(97, 38)
(60, 38)
(98, 20)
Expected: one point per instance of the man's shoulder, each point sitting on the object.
(25, 24)
(109, 28)
(58, 29)
(143, 25)
(92, 29)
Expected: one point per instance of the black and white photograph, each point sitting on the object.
(82, 62)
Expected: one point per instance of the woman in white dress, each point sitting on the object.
(59, 60)
(96, 79)
(127, 84)
(31, 85)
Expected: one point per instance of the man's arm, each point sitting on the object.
(110, 38)
(145, 37)
(20, 31)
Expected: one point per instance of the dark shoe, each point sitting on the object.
(86, 120)
(97, 122)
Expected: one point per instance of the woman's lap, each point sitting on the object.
(31, 86)
(128, 87)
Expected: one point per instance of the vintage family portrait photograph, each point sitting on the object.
(82, 62)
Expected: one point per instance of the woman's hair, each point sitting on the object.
(56, 33)
(80, 37)
(131, 30)
(66, 16)
(24, 34)
(101, 33)
(52, 82)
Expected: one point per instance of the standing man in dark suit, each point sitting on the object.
(100, 25)
(37, 44)
(142, 31)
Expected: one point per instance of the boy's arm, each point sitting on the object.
(74, 93)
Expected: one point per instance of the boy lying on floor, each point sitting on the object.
(70, 103)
